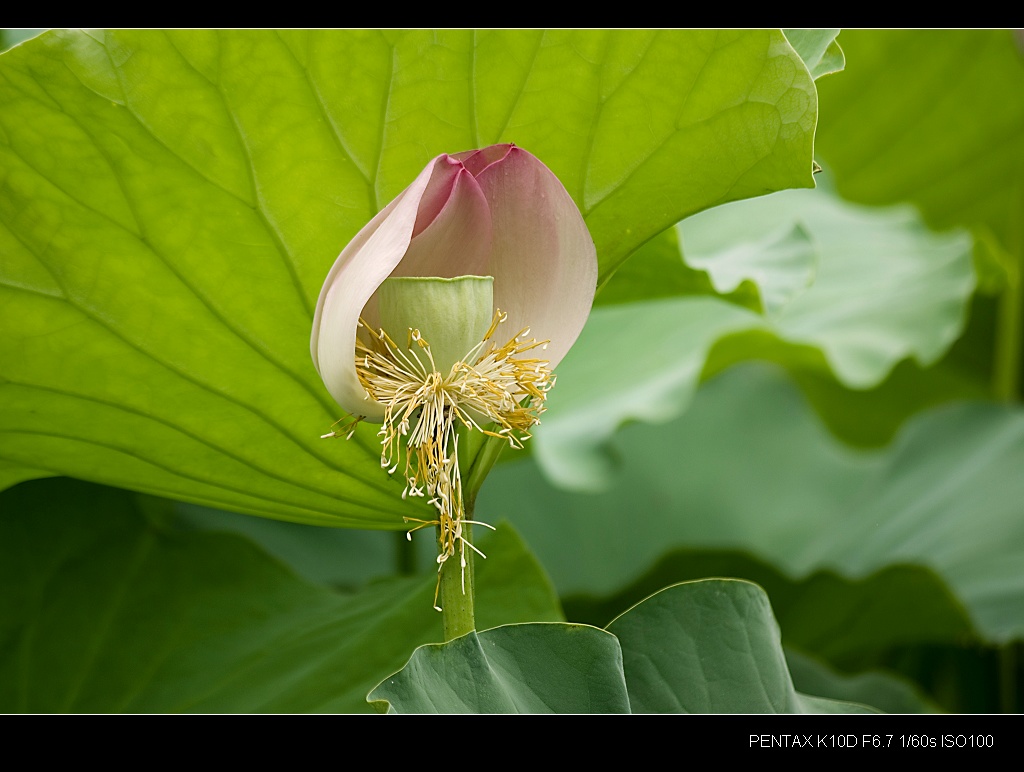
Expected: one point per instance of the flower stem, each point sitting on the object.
(487, 454)
(457, 610)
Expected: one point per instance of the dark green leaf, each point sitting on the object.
(702, 647)
(710, 647)
(513, 669)
(885, 691)
(106, 607)
(847, 621)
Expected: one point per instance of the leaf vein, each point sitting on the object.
(122, 407)
(191, 379)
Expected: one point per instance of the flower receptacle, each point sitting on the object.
(451, 315)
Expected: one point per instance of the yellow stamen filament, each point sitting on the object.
(423, 408)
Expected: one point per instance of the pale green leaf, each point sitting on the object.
(11, 37)
(780, 263)
(885, 289)
(934, 117)
(749, 467)
(818, 48)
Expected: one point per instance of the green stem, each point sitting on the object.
(455, 594)
(485, 458)
(456, 601)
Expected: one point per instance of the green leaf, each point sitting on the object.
(749, 468)
(818, 48)
(535, 668)
(635, 362)
(882, 690)
(780, 263)
(702, 647)
(346, 559)
(885, 289)
(106, 606)
(11, 37)
(710, 647)
(872, 417)
(848, 621)
(343, 558)
(170, 203)
(12, 474)
(753, 268)
(933, 117)
(656, 270)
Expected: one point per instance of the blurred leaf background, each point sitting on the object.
(814, 390)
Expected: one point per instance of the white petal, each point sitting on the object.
(357, 273)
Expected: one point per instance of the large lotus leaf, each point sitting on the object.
(884, 289)
(703, 647)
(171, 202)
(106, 606)
(872, 417)
(754, 267)
(935, 117)
(780, 263)
(339, 557)
(527, 668)
(710, 647)
(929, 116)
(345, 558)
(748, 467)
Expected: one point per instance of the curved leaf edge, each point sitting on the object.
(808, 703)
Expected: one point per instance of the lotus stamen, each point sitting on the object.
(423, 409)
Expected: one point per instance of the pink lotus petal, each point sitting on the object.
(457, 241)
(543, 259)
(496, 211)
(355, 276)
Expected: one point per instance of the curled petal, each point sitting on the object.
(360, 269)
(455, 241)
(543, 259)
